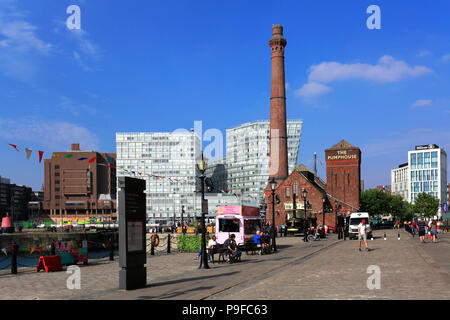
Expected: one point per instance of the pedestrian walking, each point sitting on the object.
(433, 230)
(413, 228)
(421, 226)
(362, 235)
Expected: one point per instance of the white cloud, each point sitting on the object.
(74, 107)
(387, 70)
(56, 135)
(446, 57)
(312, 89)
(20, 45)
(424, 53)
(422, 103)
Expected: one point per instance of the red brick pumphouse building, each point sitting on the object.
(324, 201)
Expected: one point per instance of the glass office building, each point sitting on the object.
(428, 173)
(247, 156)
(167, 161)
(400, 181)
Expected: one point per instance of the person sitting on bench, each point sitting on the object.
(258, 241)
(232, 247)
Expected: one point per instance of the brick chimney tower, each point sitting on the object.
(278, 162)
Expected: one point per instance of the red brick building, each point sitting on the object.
(344, 175)
(342, 188)
(80, 185)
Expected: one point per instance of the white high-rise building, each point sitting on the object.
(167, 161)
(247, 156)
(428, 173)
(400, 181)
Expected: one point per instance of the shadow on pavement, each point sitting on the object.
(190, 279)
(173, 294)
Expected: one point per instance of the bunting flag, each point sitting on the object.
(111, 166)
(41, 153)
(92, 160)
(32, 250)
(14, 146)
(28, 151)
(83, 159)
(5, 252)
(68, 156)
(56, 156)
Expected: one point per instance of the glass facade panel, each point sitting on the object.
(413, 161)
(427, 160)
(434, 161)
(435, 186)
(413, 176)
(426, 186)
(420, 161)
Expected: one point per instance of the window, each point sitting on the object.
(56, 181)
(426, 186)
(229, 225)
(250, 226)
(56, 167)
(57, 174)
(434, 163)
(435, 186)
(413, 161)
(420, 161)
(427, 160)
(288, 192)
(419, 178)
(295, 188)
(413, 176)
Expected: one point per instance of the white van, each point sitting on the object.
(355, 220)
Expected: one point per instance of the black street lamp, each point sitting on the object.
(323, 211)
(201, 164)
(273, 186)
(304, 195)
(182, 220)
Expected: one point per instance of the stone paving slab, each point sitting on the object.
(325, 269)
(341, 273)
(170, 276)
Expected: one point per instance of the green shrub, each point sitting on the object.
(189, 243)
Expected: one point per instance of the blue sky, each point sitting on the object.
(161, 65)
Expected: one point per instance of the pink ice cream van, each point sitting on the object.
(242, 221)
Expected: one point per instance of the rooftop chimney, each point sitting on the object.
(75, 147)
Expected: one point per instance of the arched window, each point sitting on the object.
(295, 188)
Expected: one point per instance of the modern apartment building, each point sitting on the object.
(167, 161)
(247, 156)
(428, 172)
(14, 199)
(80, 185)
(400, 181)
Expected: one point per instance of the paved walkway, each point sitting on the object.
(325, 269)
(407, 272)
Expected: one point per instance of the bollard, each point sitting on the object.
(152, 250)
(53, 249)
(168, 243)
(399, 236)
(111, 249)
(14, 260)
(385, 236)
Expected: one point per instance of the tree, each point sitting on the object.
(375, 202)
(397, 206)
(426, 205)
